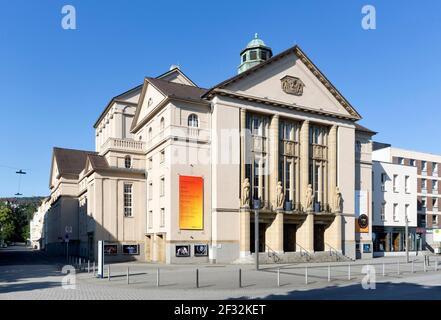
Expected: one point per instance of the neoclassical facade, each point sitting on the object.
(179, 170)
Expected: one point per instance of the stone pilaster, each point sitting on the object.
(274, 158)
(244, 233)
(242, 146)
(304, 162)
(305, 234)
(274, 233)
(332, 165)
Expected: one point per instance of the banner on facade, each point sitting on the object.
(361, 211)
(191, 203)
(436, 235)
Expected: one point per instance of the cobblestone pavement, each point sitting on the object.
(26, 274)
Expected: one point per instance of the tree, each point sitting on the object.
(7, 226)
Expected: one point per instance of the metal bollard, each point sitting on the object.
(384, 270)
(128, 275)
(93, 269)
(278, 277)
(349, 272)
(425, 270)
(157, 277)
(197, 278)
(88, 266)
(306, 275)
(329, 273)
(240, 278)
(108, 272)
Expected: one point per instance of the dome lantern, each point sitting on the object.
(255, 52)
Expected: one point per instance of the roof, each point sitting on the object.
(98, 162)
(380, 145)
(177, 90)
(310, 65)
(359, 127)
(71, 161)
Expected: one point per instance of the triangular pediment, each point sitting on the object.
(149, 99)
(177, 76)
(290, 79)
(53, 178)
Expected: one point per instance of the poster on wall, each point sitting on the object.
(191, 203)
(361, 211)
(200, 250)
(436, 235)
(182, 250)
(110, 249)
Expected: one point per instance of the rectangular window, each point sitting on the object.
(406, 212)
(435, 167)
(435, 204)
(434, 219)
(395, 183)
(162, 186)
(162, 156)
(412, 162)
(406, 184)
(423, 185)
(383, 181)
(150, 190)
(150, 218)
(434, 186)
(253, 55)
(150, 165)
(395, 212)
(401, 160)
(162, 217)
(383, 211)
(424, 166)
(127, 199)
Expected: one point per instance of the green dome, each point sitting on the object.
(256, 42)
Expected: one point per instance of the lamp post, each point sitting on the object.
(256, 207)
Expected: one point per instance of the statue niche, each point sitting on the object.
(280, 196)
(309, 199)
(245, 201)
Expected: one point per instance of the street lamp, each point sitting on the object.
(256, 207)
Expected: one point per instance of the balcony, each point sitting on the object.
(319, 152)
(290, 148)
(259, 144)
(180, 133)
(126, 145)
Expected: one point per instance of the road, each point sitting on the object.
(28, 274)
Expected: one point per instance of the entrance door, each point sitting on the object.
(289, 237)
(319, 237)
(160, 238)
(262, 229)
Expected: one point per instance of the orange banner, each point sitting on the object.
(191, 203)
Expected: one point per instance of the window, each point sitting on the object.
(434, 219)
(423, 184)
(358, 146)
(127, 199)
(162, 156)
(383, 181)
(424, 166)
(150, 134)
(263, 55)
(150, 218)
(406, 212)
(244, 57)
(162, 125)
(150, 190)
(406, 184)
(127, 162)
(253, 55)
(395, 182)
(383, 211)
(412, 162)
(435, 167)
(162, 187)
(434, 185)
(150, 163)
(162, 218)
(193, 121)
(395, 212)
(435, 204)
(401, 160)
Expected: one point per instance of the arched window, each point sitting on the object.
(193, 121)
(162, 124)
(150, 134)
(128, 162)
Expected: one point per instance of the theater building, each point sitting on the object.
(178, 169)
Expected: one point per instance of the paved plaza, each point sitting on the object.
(27, 274)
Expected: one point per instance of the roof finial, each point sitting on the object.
(256, 35)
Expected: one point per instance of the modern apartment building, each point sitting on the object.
(178, 170)
(394, 201)
(428, 182)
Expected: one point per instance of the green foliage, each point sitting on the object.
(7, 226)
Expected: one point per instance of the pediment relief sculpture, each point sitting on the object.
(292, 85)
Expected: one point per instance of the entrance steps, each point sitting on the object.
(295, 257)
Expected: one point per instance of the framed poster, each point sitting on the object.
(110, 249)
(361, 211)
(191, 203)
(132, 249)
(200, 250)
(182, 250)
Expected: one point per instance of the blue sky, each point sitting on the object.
(54, 83)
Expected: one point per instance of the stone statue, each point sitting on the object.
(280, 196)
(246, 193)
(309, 199)
(337, 200)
